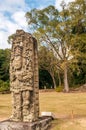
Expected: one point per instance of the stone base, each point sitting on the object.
(43, 123)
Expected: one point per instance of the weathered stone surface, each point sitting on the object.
(24, 77)
(43, 123)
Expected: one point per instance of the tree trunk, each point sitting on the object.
(59, 79)
(66, 85)
(54, 82)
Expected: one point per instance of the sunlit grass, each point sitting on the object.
(69, 109)
(63, 103)
(5, 106)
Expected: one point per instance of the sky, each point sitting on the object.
(12, 16)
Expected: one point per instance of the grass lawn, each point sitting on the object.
(68, 108)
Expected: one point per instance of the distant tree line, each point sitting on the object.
(4, 69)
(49, 77)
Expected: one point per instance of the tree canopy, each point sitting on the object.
(61, 31)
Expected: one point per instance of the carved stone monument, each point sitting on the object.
(24, 86)
(24, 77)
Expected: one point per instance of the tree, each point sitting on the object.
(45, 80)
(78, 15)
(61, 31)
(47, 61)
(4, 64)
(4, 69)
(56, 34)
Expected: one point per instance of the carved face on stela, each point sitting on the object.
(18, 57)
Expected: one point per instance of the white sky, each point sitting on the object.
(58, 2)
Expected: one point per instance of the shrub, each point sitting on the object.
(4, 86)
(59, 89)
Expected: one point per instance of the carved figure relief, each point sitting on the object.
(23, 72)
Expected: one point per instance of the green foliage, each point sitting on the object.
(4, 69)
(47, 62)
(38, 18)
(10, 38)
(59, 89)
(4, 86)
(4, 64)
(64, 32)
(55, 33)
(45, 80)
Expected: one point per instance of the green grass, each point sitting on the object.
(68, 108)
